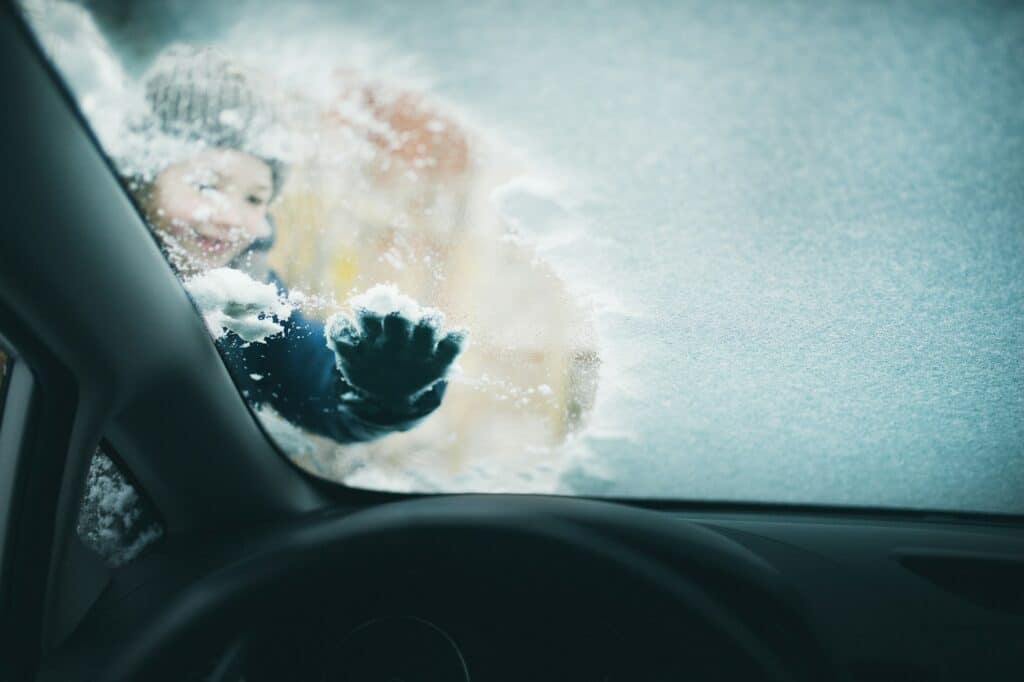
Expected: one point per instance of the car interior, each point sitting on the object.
(265, 572)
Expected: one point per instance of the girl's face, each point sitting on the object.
(209, 208)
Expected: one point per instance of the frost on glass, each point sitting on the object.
(114, 520)
(757, 251)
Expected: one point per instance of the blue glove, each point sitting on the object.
(395, 368)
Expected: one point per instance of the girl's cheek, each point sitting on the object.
(263, 225)
(194, 211)
(178, 216)
(256, 225)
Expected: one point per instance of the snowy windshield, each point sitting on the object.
(753, 251)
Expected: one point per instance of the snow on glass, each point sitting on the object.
(383, 299)
(232, 301)
(113, 520)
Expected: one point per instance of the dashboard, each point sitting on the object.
(407, 592)
(890, 599)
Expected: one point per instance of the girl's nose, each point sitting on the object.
(226, 216)
(231, 216)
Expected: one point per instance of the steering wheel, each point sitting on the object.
(676, 597)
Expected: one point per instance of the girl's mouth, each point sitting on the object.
(212, 244)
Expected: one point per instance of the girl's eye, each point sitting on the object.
(256, 200)
(202, 187)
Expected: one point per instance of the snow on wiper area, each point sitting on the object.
(114, 520)
(231, 300)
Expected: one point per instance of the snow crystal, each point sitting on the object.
(231, 300)
(113, 520)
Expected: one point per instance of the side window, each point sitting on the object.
(4, 372)
(115, 519)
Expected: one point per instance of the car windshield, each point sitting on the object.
(757, 252)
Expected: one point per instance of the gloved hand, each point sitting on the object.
(395, 368)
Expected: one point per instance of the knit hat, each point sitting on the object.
(198, 95)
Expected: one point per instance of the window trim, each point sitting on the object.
(19, 387)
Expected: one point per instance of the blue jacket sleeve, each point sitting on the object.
(295, 373)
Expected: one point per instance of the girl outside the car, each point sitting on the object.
(208, 204)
